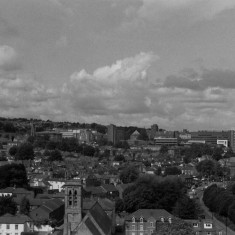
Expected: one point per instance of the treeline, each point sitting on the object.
(152, 192)
(221, 201)
(198, 150)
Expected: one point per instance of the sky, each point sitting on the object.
(126, 62)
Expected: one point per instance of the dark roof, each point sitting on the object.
(92, 227)
(14, 219)
(101, 218)
(105, 203)
(94, 190)
(147, 213)
(53, 204)
(7, 190)
(109, 187)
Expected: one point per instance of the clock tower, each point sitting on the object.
(73, 206)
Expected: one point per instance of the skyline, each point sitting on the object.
(131, 63)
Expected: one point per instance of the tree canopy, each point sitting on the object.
(129, 175)
(25, 152)
(13, 175)
(152, 192)
(7, 205)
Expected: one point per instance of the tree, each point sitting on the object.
(164, 149)
(55, 155)
(206, 167)
(13, 175)
(177, 227)
(129, 175)
(24, 206)
(186, 208)
(9, 127)
(25, 152)
(173, 170)
(152, 192)
(13, 150)
(7, 205)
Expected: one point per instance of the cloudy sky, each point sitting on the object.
(127, 62)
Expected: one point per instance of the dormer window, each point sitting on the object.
(70, 198)
(195, 225)
(162, 220)
(170, 221)
(141, 220)
(133, 219)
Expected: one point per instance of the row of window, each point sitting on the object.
(142, 220)
(9, 234)
(8, 226)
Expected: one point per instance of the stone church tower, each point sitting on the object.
(73, 205)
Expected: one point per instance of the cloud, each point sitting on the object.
(202, 80)
(8, 59)
(183, 11)
(119, 88)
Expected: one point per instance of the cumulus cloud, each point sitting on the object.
(119, 88)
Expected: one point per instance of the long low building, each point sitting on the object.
(165, 141)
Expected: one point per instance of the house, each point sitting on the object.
(6, 191)
(110, 191)
(121, 188)
(206, 227)
(144, 221)
(49, 214)
(15, 224)
(56, 184)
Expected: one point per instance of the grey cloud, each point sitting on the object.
(205, 79)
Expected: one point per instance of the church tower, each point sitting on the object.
(73, 205)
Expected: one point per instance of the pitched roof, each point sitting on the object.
(14, 219)
(90, 225)
(101, 218)
(147, 213)
(109, 187)
(105, 203)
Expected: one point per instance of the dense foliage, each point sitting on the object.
(129, 175)
(13, 175)
(7, 205)
(152, 192)
(24, 206)
(220, 201)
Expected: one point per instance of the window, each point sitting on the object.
(162, 219)
(133, 227)
(151, 224)
(141, 220)
(141, 227)
(151, 231)
(70, 198)
(133, 219)
(169, 220)
(208, 233)
(16, 227)
(75, 198)
(8, 226)
(220, 233)
(195, 225)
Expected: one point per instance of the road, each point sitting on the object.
(208, 215)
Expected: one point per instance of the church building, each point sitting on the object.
(94, 222)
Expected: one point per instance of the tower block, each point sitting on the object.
(73, 206)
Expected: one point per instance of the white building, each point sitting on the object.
(15, 224)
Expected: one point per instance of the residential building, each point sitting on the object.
(15, 224)
(144, 221)
(206, 227)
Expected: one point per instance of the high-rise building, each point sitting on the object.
(112, 133)
(115, 134)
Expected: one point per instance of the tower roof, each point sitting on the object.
(72, 183)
